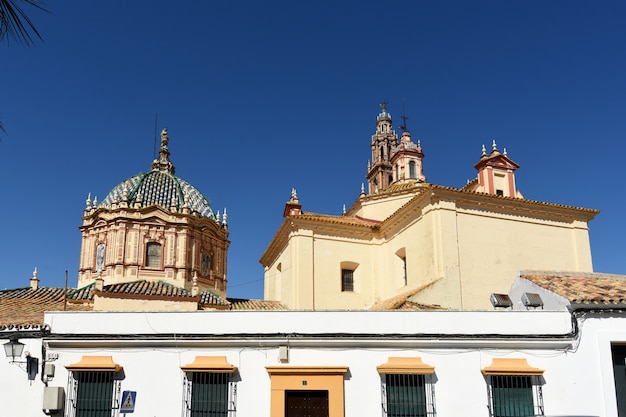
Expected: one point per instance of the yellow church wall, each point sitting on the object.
(493, 249)
(459, 248)
(482, 252)
(379, 207)
(331, 255)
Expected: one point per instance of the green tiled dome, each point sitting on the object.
(160, 187)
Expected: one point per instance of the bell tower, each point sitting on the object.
(496, 173)
(384, 144)
(407, 160)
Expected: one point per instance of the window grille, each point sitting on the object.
(412, 170)
(153, 255)
(408, 395)
(515, 396)
(404, 277)
(93, 394)
(209, 394)
(347, 280)
(619, 374)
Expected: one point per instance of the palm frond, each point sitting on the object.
(15, 23)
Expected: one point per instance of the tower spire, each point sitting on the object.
(383, 145)
(404, 118)
(163, 162)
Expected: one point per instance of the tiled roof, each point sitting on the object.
(417, 188)
(244, 304)
(142, 287)
(402, 302)
(399, 186)
(582, 288)
(347, 220)
(25, 307)
(149, 288)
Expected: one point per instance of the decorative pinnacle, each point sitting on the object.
(163, 163)
(294, 196)
(484, 151)
(493, 145)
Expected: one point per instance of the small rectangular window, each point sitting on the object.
(209, 394)
(515, 396)
(347, 280)
(92, 394)
(408, 395)
(153, 255)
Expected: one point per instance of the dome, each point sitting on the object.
(160, 187)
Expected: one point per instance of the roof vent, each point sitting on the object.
(500, 300)
(531, 299)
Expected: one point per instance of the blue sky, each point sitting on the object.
(260, 97)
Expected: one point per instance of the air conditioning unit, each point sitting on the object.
(53, 400)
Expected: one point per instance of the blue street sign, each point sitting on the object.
(128, 401)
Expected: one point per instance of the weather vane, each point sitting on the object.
(404, 119)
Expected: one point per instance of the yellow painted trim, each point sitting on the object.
(293, 378)
(306, 370)
(95, 363)
(405, 366)
(511, 366)
(210, 364)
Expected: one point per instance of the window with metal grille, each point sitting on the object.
(619, 374)
(408, 395)
(404, 277)
(209, 394)
(412, 170)
(347, 280)
(515, 396)
(93, 394)
(153, 255)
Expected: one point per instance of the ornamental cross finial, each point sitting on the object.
(163, 162)
(164, 138)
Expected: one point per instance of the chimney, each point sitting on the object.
(34, 281)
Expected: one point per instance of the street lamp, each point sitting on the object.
(13, 348)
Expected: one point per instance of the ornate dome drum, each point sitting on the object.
(155, 226)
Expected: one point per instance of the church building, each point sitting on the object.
(405, 237)
(152, 228)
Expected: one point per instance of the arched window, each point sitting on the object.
(153, 255)
(412, 172)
